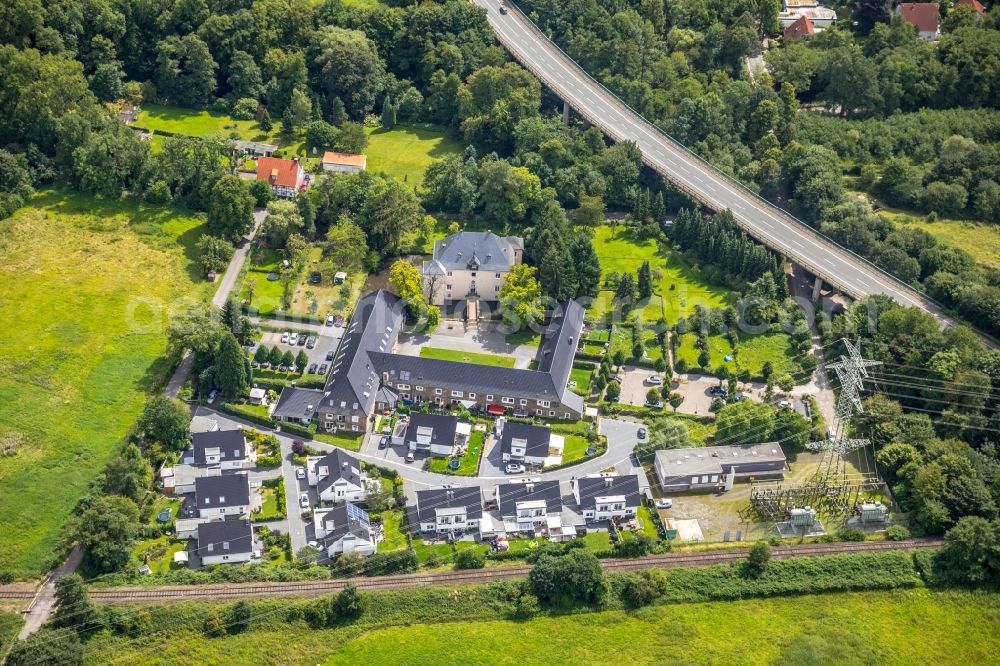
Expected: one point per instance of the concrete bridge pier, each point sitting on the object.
(817, 286)
(565, 114)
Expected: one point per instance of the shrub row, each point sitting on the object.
(254, 573)
(244, 413)
(290, 428)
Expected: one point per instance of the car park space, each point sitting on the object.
(322, 344)
(636, 383)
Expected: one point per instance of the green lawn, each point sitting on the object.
(160, 503)
(351, 441)
(394, 524)
(648, 527)
(583, 378)
(525, 337)
(751, 355)
(468, 464)
(325, 298)
(406, 152)
(180, 120)
(271, 503)
(898, 627)
(467, 357)
(574, 448)
(158, 554)
(85, 287)
(677, 291)
(10, 625)
(443, 551)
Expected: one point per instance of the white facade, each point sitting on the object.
(458, 284)
(341, 489)
(348, 543)
(821, 17)
(450, 519)
(225, 557)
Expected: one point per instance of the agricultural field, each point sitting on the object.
(84, 287)
(899, 627)
(678, 289)
(467, 357)
(406, 152)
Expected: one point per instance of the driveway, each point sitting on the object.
(635, 387)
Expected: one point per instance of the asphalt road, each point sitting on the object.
(764, 221)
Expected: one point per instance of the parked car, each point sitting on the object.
(664, 503)
(301, 341)
(212, 396)
(513, 468)
(329, 354)
(285, 336)
(314, 545)
(409, 457)
(383, 442)
(503, 10)
(315, 277)
(292, 338)
(266, 365)
(304, 501)
(718, 391)
(339, 321)
(312, 369)
(655, 380)
(642, 433)
(784, 404)
(300, 473)
(282, 368)
(254, 364)
(329, 320)
(311, 341)
(322, 369)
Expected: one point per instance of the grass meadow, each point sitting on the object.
(467, 357)
(909, 626)
(752, 353)
(406, 152)
(675, 294)
(84, 287)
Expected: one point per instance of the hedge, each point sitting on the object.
(290, 428)
(240, 411)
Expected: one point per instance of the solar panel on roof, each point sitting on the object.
(356, 513)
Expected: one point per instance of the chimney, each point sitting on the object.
(530, 487)
(345, 464)
(608, 481)
(449, 494)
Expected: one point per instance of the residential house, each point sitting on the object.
(225, 542)
(343, 162)
(819, 16)
(367, 377)
(716, 467)
(529, 444)
(286, 177)
(606, 496)
(975, 4)
(222, 496)
(258, 396)
(447, 511)
(337, 477)
(436, 434)
(802, 27)
(344, 529)
(255, 148)
(128, 114)
(225, 449)
(925, 16)
(204, 424)
(470, 265)
(530, 506)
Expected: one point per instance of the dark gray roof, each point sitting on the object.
(341, 466)
(343, 524)
(442, 428)
(466, 376)
(373, 327)
(590, 488)
(212, 492)
(428, 501)
(232, 537)
(476, 250)
(537, 438)
(556, 353)
(297, 403)
(231, 445)
(509, 494)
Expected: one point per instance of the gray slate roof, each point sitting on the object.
(509, 494)
(231, 444)
(428, 501)
(343, 524)
(537, 438)
(227, 537)
(556, 353)
(475, 250)
(442, 427)
(340, 466)
(297, 403)
(374, 327)
(590, 488)
(212, 492)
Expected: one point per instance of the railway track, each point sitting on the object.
(147, 595)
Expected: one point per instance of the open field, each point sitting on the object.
(10, 624)
(980, 240)
(751, 355)
(180, 120)
(678, 289)
(900, 627)
(406, 152)
(467, 357)
(84, 287)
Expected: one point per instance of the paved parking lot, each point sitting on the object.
(635, 387)
(325, 342)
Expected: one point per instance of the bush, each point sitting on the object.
(214, 626)
(245, 109)
(349, 604)
(240, 616)
(897, 533)
(757, 560)
(637, 592)
(383, 564)
(48, 647)
(296, 429)
(575, 577)
(470, 559)
(850, 534)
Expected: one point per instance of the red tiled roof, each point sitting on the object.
(924, 15)
(975, 4)
(800, 28)
(278, 171)
(345, 159)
